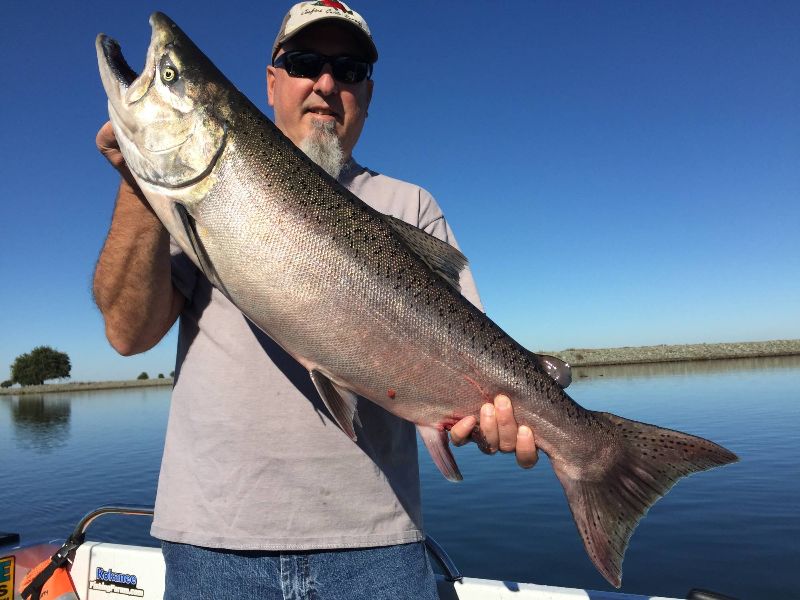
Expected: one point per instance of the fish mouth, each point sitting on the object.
(117, 65)
(116, 74)
(121, 82)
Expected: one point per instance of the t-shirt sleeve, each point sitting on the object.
(431, 220)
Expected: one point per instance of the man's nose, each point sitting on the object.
(325, 84)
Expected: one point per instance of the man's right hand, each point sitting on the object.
(108, 146)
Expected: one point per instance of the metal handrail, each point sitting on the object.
(451, 570)
(132, 509)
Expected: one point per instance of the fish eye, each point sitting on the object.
(169, 74)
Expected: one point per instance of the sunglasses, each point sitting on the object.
(310, 64)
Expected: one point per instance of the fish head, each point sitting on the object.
(171, 119)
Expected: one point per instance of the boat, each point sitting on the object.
(99, 568)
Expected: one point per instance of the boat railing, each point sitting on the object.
(122, 509)
(451, 572)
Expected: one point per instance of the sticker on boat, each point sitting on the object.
(111, 582)
(7, 578)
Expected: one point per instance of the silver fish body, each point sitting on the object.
(368, 304)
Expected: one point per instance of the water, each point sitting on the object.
(734, 530)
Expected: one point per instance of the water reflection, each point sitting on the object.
(686, 368)
(41, 422)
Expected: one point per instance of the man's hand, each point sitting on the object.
(497, 431)
(109, 147)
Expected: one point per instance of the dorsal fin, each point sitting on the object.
(440, 256)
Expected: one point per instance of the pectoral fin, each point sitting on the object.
(199, 254)
(438, 445)
(340, 402)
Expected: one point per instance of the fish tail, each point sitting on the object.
(649, 460)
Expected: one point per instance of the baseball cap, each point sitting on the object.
(303, 14)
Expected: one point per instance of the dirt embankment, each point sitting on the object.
(586, 357)
(81, 386)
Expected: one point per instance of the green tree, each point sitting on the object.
(7, 383)
(143, 375)
(40, 364)
(161, 376)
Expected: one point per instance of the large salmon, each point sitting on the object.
(368, 304)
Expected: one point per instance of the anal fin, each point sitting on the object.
(438, 444)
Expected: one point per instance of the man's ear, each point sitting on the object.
(370, 84)
(271, 85)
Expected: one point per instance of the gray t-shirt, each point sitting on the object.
(252, 459)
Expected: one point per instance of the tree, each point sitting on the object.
(7, 383)
(40, 364)
(143, 375)
(161, 376)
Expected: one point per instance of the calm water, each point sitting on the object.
(735, 529)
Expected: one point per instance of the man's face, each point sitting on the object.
(298, 101)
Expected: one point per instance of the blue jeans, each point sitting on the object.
(390, 573)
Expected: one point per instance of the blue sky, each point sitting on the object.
(619, 173)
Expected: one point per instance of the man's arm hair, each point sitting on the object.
(132, 280)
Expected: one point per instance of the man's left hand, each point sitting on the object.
(498, 431)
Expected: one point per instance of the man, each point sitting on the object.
(260, 494)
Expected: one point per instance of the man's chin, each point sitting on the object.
(317, 118)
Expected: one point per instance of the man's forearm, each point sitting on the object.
(132, 280)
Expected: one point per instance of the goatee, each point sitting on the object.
(323, 147)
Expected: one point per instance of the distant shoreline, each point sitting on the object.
(577, 357)
(631, 355)
(82, 386)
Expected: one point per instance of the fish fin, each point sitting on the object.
(202, 259)
(440, 256)
(166, 209)
(558, 370)
(438, 444)
(649, 461)
(340, 402)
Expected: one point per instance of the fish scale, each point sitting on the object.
(368, 304)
